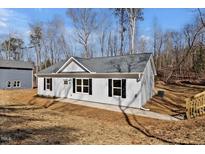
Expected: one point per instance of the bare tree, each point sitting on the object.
(121, 13)
(134, 14)
(102, 32)
(35, 40)
(102, 42)
(12, 47)
(55, 41)
(191, 33)
(84, 21)
(143, 45)
(110, 45)
(157, 44)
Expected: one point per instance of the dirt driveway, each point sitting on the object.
(26, 119)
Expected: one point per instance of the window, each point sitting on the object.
(85, 85)
(18, 84)
(117, 87)
(48, 83)
(15, 84)
(9, 84)
(82, 85)
(79, 85)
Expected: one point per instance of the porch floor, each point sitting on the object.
(132, 111)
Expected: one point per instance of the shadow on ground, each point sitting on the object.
(48, 135)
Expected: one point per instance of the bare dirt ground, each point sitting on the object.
(27, 119)
(173, 102)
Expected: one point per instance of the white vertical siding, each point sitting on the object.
(99, 91)
(147, 83)
(137, 93)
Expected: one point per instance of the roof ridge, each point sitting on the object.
(113, 56)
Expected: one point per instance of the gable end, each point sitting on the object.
(71, 66)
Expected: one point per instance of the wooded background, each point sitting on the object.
(177, 54)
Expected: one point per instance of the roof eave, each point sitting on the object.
(94, 75)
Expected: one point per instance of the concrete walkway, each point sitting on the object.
(133, 111)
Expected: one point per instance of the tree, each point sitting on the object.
(134, 14)
(36, 35)
(110, 45)
(84, 22)
(104, 25)
(55, 39)
(123, 19)
(199, 60)
(102, 42)
(143, 45)
(157, 44)
(12, 47)
(191, 34)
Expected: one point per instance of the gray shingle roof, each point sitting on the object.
(52, 69)
(15, 64)
(125, 64)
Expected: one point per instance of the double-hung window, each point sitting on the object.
(85, 85)
(117, 87)
(9, 84)
(79, 85)
(15, 84)
(82, 85)
(48, 83)
(18, 84)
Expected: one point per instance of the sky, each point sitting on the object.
(16, 20)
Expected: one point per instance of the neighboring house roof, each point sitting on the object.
(15, 64)
(115, 64)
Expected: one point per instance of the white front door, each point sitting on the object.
(66, 87)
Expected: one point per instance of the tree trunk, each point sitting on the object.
(121, 31)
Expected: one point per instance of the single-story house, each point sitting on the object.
(120, 80)
(15, 74)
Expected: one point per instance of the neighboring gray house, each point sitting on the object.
(15, 74)
(121, 80)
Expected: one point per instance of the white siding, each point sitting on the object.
(147, 83)
(137, 93)
(99, 92)
(73, 67)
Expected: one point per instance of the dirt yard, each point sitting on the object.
(27, 119)
(173, 102)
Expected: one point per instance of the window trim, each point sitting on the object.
(117, 88)
(15, 82)
(48, 84)
(10, 84)
(19, 84)
(76, 85)
(82, 85)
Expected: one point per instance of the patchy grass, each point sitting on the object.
(26, 119)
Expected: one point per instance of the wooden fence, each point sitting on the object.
(195, 106)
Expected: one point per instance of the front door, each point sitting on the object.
(66, 87)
